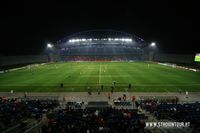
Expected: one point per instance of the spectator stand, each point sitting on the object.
(168, 110)
(17, 115)
(124, 102)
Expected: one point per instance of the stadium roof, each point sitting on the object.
(104, 36)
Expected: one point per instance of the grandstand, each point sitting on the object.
(101, 45)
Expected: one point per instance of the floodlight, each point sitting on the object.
(83, 39)
(153, 44)
(49, 45)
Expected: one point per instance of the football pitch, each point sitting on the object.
(79, 76)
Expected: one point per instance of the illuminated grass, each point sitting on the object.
(78, 76)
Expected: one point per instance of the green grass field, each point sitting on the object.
(78, 76)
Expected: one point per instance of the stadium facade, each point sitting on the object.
(101, 45)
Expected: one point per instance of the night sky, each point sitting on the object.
(26, 27)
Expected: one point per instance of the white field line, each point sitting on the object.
(100, 74)
(148, 85)
(167, 84)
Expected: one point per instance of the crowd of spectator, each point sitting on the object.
(108, 120)
(100, 58)
(75, 119)
(13, 110)
(172, 110)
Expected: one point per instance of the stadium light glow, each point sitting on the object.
(49, 45)
(103, 39)
(83, 39)
(153, 44)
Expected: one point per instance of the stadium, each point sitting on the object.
(98, 58)
(112, 77)
(101, 45)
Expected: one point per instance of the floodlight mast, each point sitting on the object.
(50, 50)
(152, 50)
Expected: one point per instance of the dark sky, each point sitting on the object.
(26, 27)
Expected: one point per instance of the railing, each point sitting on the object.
(19, 129)
(35, 128)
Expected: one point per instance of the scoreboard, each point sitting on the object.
(197, 57)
